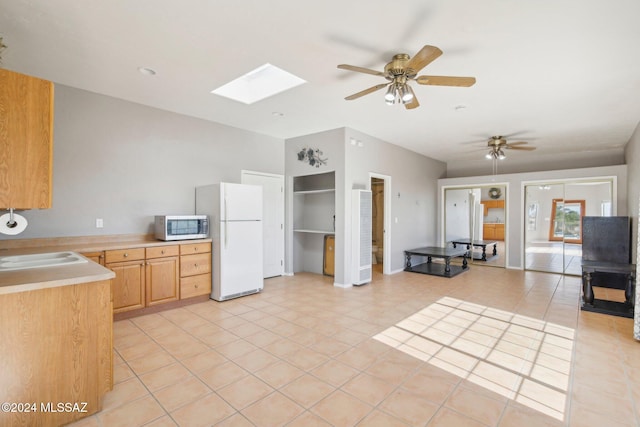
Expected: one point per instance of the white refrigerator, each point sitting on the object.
(235, 221)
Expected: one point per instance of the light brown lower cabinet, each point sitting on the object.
(195, 269)
(329, 255)
(156, 275)
(129, 283)
(489, 231)
(493, 232)
(162, 274)
(55, 347)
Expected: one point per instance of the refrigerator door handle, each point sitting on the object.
(226, 230)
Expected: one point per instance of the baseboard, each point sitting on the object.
(342, 285)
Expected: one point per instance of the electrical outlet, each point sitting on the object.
(99, 223)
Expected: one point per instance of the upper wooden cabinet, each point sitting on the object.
(489, 204)
(26, 141)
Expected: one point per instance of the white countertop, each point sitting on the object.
(51, 277)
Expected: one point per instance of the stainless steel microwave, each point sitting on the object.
(181, 227)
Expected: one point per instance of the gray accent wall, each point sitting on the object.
(414, 191)
(125, 162)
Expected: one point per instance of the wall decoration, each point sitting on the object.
(495, 193)
(311, 156)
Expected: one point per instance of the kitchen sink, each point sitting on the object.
(52, 259)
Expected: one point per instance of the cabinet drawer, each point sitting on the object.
(162, 251)
(191, 265)
(195, 285)
(195, 248)
(124, 255)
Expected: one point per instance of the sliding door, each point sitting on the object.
(553, 222)
(476, 216)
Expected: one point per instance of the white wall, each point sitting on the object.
(126, 162)
(514, 232)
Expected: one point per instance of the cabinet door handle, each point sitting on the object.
(195, 265)
(125, 255)
(197, 286)
(162, 252)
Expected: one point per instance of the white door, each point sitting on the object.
(272, 219)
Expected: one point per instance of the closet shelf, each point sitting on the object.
(301, 230)
(326, 190)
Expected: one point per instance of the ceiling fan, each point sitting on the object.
(496, 145)
(400, 71)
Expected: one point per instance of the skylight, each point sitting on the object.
(263, 82)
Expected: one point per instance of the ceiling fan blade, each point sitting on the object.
(360, 70)
(413, 104)
(520, 132)
(424, 57)
(518, 147)
(517, 143)
(446, 81)
(366, 91)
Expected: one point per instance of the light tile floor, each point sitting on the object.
(489, 347)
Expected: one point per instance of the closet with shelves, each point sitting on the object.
(314, 201)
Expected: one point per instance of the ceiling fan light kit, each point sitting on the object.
(400, 70)
(495, 153)
(496, 145)
(399, 93)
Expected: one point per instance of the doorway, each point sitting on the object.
(272, 219)
(380, 186)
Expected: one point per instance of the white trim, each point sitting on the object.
(386, 241)
(250, 172)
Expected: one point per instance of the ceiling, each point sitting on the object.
(563, 74)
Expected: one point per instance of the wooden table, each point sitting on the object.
(590, 303)
(480, 244)
(435, 269)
